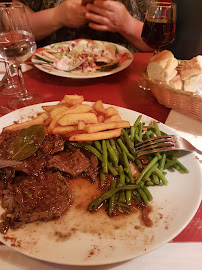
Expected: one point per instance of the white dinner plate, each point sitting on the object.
(78, 75)
(83, 238)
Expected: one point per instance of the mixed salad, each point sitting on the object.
(86, 56)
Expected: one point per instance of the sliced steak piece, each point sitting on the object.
(72, 163)
(52, 144)
(31, 198)
(92, 171)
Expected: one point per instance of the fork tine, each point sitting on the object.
(155, 145)
(154, 142)
(153, 139)
(155, 150)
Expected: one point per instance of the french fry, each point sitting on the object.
(98, 106)
(51, 107)
(100, 118)
(47, 122)
(113, 118)
(106, 126)
(74, 109)
(81, 125)
(73, 99)
(97, 136)
(58, 110)
(111, 111)
(63, 130)
(45, 115)
(38, 120)
(72, 119)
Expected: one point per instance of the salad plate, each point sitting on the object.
(101, 59)
(83, 238)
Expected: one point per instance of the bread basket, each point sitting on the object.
(185, 102)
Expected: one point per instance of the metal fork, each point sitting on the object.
(164, 143)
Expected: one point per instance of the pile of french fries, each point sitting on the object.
(78, 121)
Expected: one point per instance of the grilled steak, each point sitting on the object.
(72, 163)
(38, 188)
(31, 198)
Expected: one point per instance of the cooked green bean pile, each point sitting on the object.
(116, 155)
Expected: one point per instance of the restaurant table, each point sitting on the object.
(120, 89)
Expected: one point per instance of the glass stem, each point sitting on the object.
(9, 74)
(23, 94)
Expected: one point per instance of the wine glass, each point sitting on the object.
(159, 25)
(159, 28)
(10, 86)
(17, 44)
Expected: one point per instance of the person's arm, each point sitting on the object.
(113, 16)
(43, 23)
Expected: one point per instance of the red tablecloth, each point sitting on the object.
(119, 89)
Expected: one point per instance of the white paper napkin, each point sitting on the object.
(187, 127)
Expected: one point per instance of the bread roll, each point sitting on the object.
(162, 66)
(192, 67)
(193, 84)
(176, 82)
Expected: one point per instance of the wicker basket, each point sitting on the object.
(179, 100)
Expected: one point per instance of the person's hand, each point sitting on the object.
(71, 13)
(108, 16)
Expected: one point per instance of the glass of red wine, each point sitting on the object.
(17, 44)
(159, 27)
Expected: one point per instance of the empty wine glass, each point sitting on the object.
(159, 28)
(17, 44)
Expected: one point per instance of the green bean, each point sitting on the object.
(155, 179)
(149, 173)
(184, 169)
(158, 155)
(98, 155)
(146, 169)
(98, 201)
(137, 121)
(127, 165)
(129, 142)
(170, 163)
(127, 178)
(132, 134)
(147, 192)
(104, 157)
(146, 136)
(125, 149)
(136, 196)
(102, 175)
(161, 176)
(112, 154)
(140, 130)
(113, 144)
(162, 162)
(143, 195)
(112, 198)
(149, 183)
(128, 197)
(139, 164)
(137, 137)
(156, 128)
(98, 146)
(121, 183)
